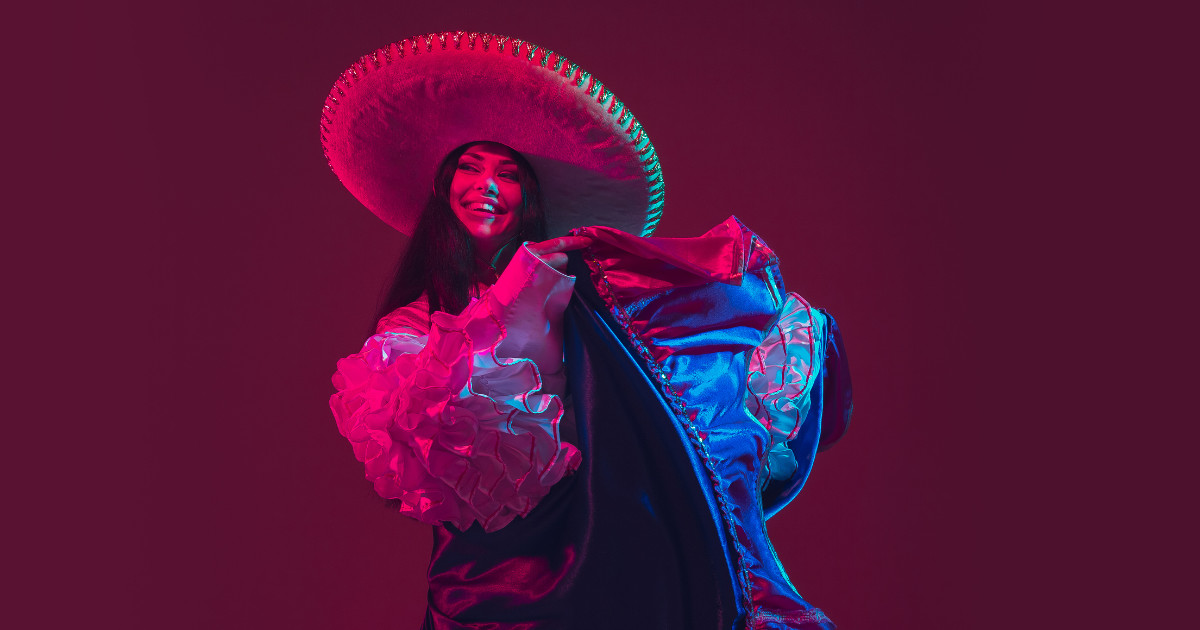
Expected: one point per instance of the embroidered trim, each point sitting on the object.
(812, 615)
(574, 78)
(679, 407)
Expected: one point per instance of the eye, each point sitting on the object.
(468, 167)
(509, 176)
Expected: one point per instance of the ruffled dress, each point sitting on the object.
(608, 459)
(458, 417)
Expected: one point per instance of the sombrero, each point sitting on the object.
(393, 115)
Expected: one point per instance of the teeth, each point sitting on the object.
(486, 207)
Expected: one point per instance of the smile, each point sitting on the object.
(482, 207)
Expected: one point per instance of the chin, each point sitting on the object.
(494, 235)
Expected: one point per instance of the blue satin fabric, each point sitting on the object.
(629, 540)
(662, 526)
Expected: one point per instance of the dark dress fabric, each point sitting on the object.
(663, 526)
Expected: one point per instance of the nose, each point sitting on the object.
(488, 186)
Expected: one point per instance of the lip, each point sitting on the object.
(477, 205)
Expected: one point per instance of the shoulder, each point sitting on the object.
(412, 317)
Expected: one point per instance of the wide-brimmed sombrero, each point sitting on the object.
(392, 116)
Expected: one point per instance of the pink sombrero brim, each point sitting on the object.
(392, 116)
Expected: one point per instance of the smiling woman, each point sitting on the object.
(596, 439)
(486, 195)
(458, 246)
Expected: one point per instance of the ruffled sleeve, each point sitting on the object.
(460, 423)
(782, 372)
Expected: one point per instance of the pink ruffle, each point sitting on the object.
(415, 411)
(780, 379)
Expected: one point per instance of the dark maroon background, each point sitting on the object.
(964, 188)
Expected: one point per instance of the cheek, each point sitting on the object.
(512, 197)
(457, 185)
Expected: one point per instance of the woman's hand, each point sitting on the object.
(551, 251)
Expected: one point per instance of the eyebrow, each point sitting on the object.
(504, 161)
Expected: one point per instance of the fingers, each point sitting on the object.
(557, 261)
(561, 244)
(550, 251)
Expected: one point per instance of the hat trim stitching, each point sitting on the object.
(562, 66)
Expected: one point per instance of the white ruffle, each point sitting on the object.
(454, 431)
(780, 379)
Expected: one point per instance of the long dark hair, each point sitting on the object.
(440, 259)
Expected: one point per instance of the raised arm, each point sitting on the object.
(460, 422)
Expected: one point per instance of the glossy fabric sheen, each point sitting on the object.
(695, 320)
(457, 417)
(628, 541)
(662, 525)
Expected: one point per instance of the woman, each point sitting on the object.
(597, 438)
(486, 201)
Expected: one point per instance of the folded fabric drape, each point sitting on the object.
(460, 424)
(695, 392)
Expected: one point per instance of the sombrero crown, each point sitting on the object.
(394, 115)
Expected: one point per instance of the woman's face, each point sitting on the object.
(485, 195)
